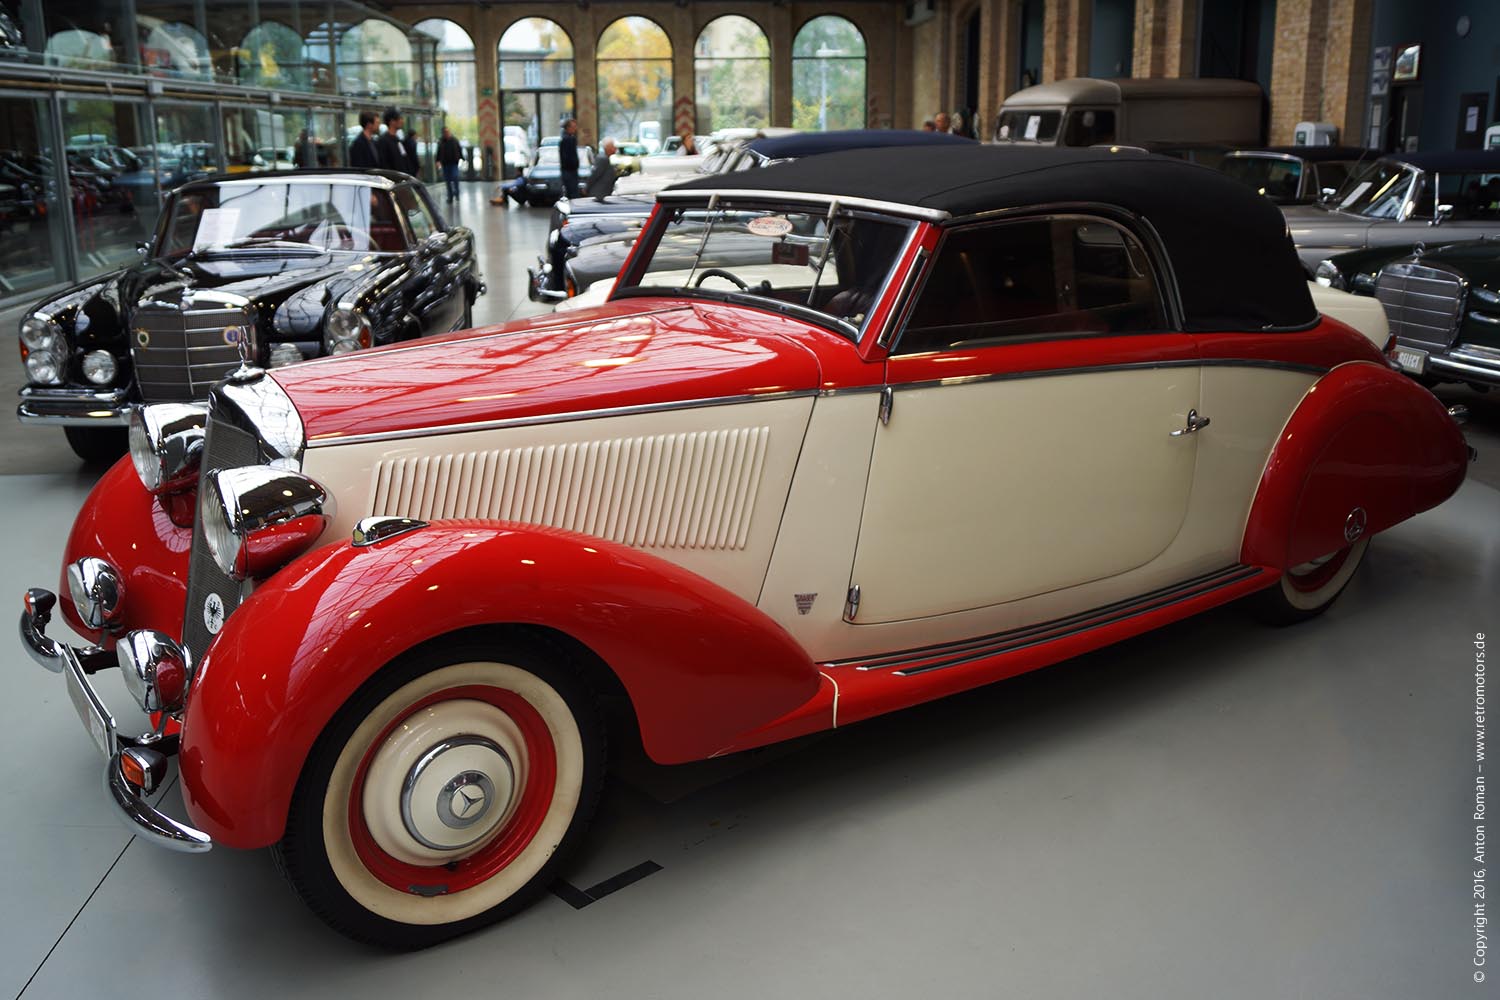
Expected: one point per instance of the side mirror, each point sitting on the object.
(1441, 215)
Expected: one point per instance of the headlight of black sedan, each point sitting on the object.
(1329, 276)
(44, 350)
(346, 329)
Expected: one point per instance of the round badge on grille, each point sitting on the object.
(232, 335)
(213, 614)
(1354, 524)
(142, 338)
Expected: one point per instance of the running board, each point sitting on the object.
(914, 662)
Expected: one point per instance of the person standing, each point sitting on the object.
(567, 158)
(408, 139)
(940, 121)
(393, 155)
(448, 156)
(602, 178)
(363, 153)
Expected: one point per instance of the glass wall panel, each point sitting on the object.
(456, 94)
(329, 148)
(112, 191)
(375, 60)
(87, 35)
(272, 56)
(32, 248)
(259, 138)
(828, 75)
(635, 81)
(185, 142)
(732, 73)
(169, 47)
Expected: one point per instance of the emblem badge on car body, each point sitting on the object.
(805, 602)
(143, 338)
(213, 614)
(1354, 524)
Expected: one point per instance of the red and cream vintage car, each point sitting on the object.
(902, 424)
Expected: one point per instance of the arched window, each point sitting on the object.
(828, 75)
(455, 77)
(79, 49)
(272, 56)
(375, 60)
(635, 81)
(171, 48)
(732, 74)
(536, 85)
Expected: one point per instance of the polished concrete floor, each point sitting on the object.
(1217, 809)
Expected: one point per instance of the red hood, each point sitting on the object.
(630, 353)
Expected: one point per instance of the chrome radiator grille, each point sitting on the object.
(180, 353)
(1423, 303)
(225, 447)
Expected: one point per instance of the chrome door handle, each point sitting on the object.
(1195, 424)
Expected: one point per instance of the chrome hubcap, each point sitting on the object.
(457, 792)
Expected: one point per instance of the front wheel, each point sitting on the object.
(443, 796)
(98, 445)
(1310, 589)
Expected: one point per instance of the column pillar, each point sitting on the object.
(1166, 38)
(1066, 32)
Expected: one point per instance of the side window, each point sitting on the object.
(415, 211)
(1033, 278)
(1090, 127)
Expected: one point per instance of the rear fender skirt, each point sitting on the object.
(1365, 443)
(701, 666)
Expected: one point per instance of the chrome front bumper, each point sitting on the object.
(139, 816)
(75, 407)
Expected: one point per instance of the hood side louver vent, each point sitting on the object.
(671, 491)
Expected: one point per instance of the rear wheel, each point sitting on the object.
(444, 795)
(98, 445)
(1308, 590)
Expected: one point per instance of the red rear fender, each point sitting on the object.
(701, 665)
(1364, 437)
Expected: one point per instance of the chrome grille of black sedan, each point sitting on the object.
(180, 353)
(224, 447)
(1423, 304)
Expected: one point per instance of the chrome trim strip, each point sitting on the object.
(369, 530)
(270, 177)
(1284, 366)
(550, 418)
(805, 197)
(1491, 375)
(73, 406)
(967, 651)
(145, 821)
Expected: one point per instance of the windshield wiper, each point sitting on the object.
(258, 241)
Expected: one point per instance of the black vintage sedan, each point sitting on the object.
(294, 265)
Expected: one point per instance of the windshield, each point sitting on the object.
(784, 259)
(1027, 126)
(1271, 176)
(1378, 192)
(289, 215)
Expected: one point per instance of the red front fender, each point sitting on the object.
(701, 665)
(1363, 437)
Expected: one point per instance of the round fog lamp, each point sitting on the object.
(44, 367)
(99, 367)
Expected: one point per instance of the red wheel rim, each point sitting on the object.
(505, 844)
(1319, 576)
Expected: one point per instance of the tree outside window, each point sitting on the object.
(828, 75)
(635, 80)
(732, 73)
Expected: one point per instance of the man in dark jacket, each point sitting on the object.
(363, 153)
(567, 158)
(448, 156)
(393, 154)
(602, 178)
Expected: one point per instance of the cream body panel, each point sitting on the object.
(1363, 312)
(1248, 407)
(702, 487)
(989, 492)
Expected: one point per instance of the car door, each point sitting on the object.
(1035, 433)
(1469, 213)
(436, 288)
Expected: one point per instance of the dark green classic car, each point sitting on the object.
(1443, 305)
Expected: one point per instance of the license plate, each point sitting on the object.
(1412, 361)
(91, 712)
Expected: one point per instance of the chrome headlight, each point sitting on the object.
(345, 330)
(256, 519)
(99, 367)
(166, 443)
(45, 350)
(97, 592)
(156, 670)
(1328, 275)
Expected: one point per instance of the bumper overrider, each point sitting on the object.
(157, 671)
(540, 282)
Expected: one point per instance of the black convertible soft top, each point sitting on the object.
(1229, 247)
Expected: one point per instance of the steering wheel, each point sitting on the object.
(346, 236)
(716, 272)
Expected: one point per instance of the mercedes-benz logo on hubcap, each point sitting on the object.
(468, 802)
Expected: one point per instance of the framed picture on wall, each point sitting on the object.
(1408, 63)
